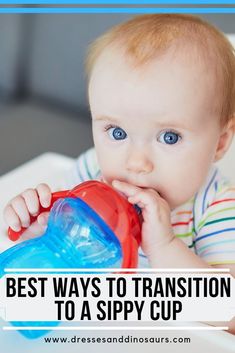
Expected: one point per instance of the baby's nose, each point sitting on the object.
(139, 162)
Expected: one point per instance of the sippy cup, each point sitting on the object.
(90, 226)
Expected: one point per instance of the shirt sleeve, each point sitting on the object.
(85, 168)
(215, 233)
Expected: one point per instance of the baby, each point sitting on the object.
(162, 97)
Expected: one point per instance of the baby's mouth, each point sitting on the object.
(142, 185)
(135, 183)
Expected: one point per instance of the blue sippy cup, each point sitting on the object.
(91, 226)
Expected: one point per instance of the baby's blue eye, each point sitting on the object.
(117, 133)
(169, 137)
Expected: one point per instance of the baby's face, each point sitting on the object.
(154, 126)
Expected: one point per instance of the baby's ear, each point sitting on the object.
(225, 139)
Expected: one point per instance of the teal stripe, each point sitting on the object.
(219, 252)
(202, 222)
(87, 168)
(218, 220)
(216, 243)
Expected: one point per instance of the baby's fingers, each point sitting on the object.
(127, 189)
(43, 218)
(11, 218)
(44, 193)
(31, 199)
(147, 199)
(19, 206)
(135, 194)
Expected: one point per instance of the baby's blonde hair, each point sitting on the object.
(144, 37)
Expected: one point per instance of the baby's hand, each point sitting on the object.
(156, 228)
(20, 209)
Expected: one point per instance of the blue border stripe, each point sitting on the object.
(116, 10)
(121, 2)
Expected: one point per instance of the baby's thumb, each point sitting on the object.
(43, 218)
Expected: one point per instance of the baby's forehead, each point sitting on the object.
(183, 51)
(115, 60)
(134, 46)
(170, 83)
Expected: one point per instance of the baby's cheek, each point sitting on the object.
(106, 173)
(182, 190)
(109, 169)
(173, 188)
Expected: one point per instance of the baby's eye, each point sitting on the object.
(116, 133)
(169, 137)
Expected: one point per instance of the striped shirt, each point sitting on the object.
(206, 223)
